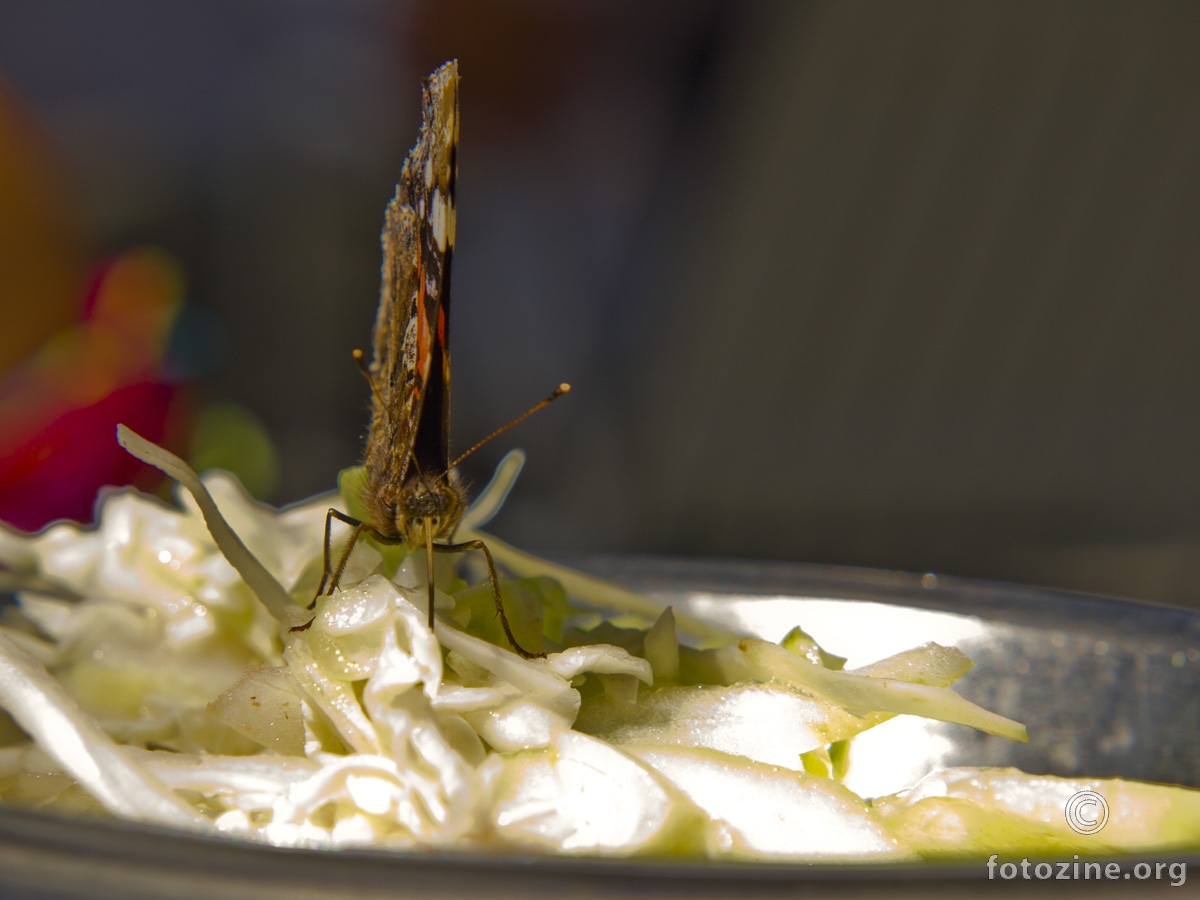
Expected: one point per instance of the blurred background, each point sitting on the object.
(901, 285)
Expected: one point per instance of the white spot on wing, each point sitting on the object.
(428, 173)
(438, 220)
(409, 360)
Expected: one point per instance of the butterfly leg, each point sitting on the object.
(495, 579)
(332, 578)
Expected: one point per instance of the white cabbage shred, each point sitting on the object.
(156, 673)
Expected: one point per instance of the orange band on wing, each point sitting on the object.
(423, 342)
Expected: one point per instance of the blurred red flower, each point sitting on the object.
(73, 361)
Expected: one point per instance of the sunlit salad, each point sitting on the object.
(156, 668)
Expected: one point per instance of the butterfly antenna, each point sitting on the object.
(558, 392)
(361, 361)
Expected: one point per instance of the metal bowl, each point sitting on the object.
(1107, 688)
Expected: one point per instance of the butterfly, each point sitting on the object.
(412, 494)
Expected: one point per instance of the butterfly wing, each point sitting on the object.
(411, 366)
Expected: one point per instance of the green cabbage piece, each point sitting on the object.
(965, 813)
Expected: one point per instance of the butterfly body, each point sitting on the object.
(412, 494)
(410, 489)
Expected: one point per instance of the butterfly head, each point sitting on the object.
(436, 498)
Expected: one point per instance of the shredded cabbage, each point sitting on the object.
(152, 669)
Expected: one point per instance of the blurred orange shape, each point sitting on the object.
(41, 252)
